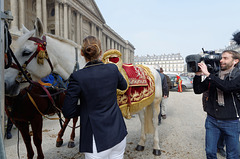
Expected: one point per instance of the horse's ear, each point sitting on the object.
(24, 29)
(38, 26)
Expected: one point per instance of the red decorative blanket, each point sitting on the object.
(140, 92)
(135, 75)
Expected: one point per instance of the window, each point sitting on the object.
(52, 12)
(52, 31)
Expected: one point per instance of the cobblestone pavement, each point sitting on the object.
(181, 134)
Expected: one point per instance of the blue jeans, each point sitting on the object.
(229, 128)
(221, 142)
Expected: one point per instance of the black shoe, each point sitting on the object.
(8, 135)
(164, 116)
(221, 152)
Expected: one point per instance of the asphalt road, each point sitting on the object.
(181, 134)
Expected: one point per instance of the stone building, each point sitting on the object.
(232, 46)
(171, 63)
(70, 19)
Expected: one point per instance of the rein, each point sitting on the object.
(34, 103)
(7, 50)
(58, 111)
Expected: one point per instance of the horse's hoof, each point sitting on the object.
(59, 143)
(71, 144)
(139, 148)
(156, 152)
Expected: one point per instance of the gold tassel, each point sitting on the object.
(40, 57)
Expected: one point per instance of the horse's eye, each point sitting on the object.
(26, 53)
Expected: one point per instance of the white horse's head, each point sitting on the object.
(60, 52)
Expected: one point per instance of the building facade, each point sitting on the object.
(70, 19)
(232, 46)
(171, 63)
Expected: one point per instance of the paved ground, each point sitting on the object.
(181, 134)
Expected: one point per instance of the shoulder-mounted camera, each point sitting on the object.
(210, 58)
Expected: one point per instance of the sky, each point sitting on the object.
(157, 27)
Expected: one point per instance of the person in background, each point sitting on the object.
(164, 93)
(223, 104)
(179, 82)
(9, 128)
(103, 130)
(165, 97)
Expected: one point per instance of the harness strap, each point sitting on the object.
(44, 43)
(30, 59)
(35, 39)
(49, 95)
(35, 105)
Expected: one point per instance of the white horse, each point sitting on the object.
(63, 59)
(61, 52)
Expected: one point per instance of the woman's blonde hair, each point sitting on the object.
(91, 48)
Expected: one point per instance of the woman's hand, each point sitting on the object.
(204, 69)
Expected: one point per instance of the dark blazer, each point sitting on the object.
(95, 85)
(230, 85)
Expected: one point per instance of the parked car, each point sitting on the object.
(186, 82)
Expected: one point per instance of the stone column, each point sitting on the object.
(70, 23)
(78, 28)
(21, 13)
(81, 29)
(61, 32)
(101, 37)
(57, 23)
(93, 29)
(14, 10)
(100, 34)
(118, 47)
(112, 46)
(65, 21)
(39, 9)
(103, 42)
(44, 13)
(122, 53)
(108, 42)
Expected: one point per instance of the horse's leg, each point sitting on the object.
(24, 130)
(141, 143)
(71, 142)
(37, 124)
(156, 111)
(59, 141)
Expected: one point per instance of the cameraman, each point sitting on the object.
(223, 106)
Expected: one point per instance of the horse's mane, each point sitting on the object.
(22, 39)
(64, 40)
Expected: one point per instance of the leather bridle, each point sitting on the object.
(40, 53)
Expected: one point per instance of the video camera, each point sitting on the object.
(210, 58)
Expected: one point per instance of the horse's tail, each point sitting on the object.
(148, 120)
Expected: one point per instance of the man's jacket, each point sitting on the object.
(230, 85)
(165, 91)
